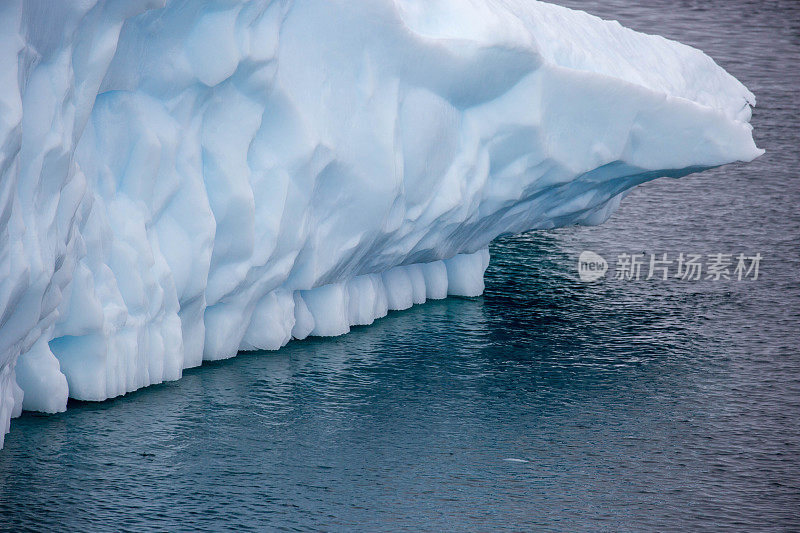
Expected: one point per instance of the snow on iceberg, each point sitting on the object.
(179, 182)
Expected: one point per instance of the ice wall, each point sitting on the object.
(181, 181)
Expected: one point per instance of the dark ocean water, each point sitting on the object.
(548, 403)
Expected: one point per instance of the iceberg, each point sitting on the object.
(183, 180)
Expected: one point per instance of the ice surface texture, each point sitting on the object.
(179, 182)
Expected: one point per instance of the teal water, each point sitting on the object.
(547, 403)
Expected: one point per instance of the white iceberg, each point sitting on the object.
(179, 182)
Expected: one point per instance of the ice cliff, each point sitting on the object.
(179, 182)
